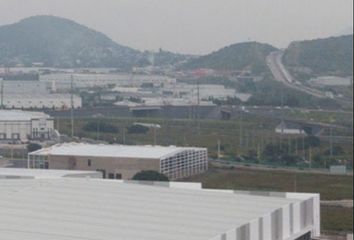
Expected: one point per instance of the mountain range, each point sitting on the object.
(249, 56)
(59, 42)
(332, 56)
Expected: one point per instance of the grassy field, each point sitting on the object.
(337, 118)
(255, 135)
(257, 132)
(334, 219)
(329, 186)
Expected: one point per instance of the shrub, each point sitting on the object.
(138, 129)
(101, 127)
(150, 176)
(31, 147)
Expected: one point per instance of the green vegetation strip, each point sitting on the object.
(336, 219)
(333, 219)
(330, 187)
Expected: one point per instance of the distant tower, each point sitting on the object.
(54, 87)
(152, 59)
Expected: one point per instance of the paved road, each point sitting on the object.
(339, 203)
(274, 61)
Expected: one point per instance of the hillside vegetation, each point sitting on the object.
(322, 56)
(242, 56)
(59, 42)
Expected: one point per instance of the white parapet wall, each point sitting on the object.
(289, 222)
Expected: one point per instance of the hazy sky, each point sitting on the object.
(194, 26)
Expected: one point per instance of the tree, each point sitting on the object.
(101, 127)
(337, 150)
(150, 175)
(31, 147)
(312, 141)
(138, 129)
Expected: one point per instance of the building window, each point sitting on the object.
(15, 136)
(111, 175)
(118, 176)
(103, 172)
(89, 162)
(2, 135)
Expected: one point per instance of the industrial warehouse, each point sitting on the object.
(64, 208)
(121, 161)
(23, 126)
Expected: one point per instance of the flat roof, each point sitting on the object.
(42, 173)
(118, 151)
(18, 115)
(96, 209)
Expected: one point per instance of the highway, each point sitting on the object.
(274, 62)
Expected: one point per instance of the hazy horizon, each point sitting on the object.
(194, 26)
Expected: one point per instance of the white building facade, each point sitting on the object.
(122, 161)
(34, 94)
(23, 126)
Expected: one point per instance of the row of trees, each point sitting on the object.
(97, 126)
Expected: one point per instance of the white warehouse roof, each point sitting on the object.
(41, 173)
(119, 151)
(93, 209)
(17, 115)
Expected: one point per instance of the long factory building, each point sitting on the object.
(122, 161)
(16, 125)
(61, 207)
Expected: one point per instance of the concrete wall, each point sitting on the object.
(299, 220)
(14, 129)
(126, 167)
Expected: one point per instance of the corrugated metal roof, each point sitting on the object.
(16, 115)
(121, 151)
(40, 173)
(76, 209)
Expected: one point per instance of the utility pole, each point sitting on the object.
(58, 127)
(282, 117)
(303, 146)
(124, 135)
(218, 149)
(282, 109)
(247, 139)
(310, 157)
(296, 146)
(155, 137)
(331, 140)
(98, 129)
(2, 93)
(295, 182)
(72, 105)
(198, 105)
(241, 129)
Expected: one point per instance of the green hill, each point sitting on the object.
(241, 56)
(323, 56)
(59, 42)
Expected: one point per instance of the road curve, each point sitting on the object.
(274, 62)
